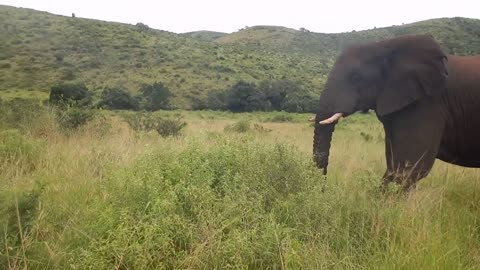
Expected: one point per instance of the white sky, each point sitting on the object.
(328, 16)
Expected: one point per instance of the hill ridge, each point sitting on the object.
(40, 49)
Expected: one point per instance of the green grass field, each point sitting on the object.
(109, 197)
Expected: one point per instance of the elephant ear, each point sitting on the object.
(414, 67)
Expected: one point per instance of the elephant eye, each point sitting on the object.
(355, 77)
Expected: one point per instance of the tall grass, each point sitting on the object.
(108, 197)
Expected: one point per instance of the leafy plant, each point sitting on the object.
(150, 121)
(246, 97)
(70, 94)
(155, 96)
(241, 126)
(170, 127)
(73, 118)
(118, 99)
(142, 121)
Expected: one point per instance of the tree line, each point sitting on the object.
(243, 96)
(152, 97)
(268, 95)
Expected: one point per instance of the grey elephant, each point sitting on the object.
(427, 101)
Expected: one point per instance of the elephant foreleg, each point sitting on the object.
(412, 139)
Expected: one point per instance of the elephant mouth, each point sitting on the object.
(334, 118)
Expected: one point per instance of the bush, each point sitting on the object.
(301, 102)
(213, 208)
(216, 100)
(118, 99)
(70, 94)
(276, 91)
(150, 121)
(170, 127)
(142, 27)
(155, 97)
(142, 121)
(241, 126)
(246, 97)
(73, 118)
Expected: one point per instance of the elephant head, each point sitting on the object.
(385, 76)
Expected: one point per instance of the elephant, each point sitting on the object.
(427, 101)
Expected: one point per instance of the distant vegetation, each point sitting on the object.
(269, 95)
(40, 50)
(205, 35)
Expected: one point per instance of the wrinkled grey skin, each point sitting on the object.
(427, 101)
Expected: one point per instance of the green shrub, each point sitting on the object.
(141, 121)
(241, 126)
(200, 209)
(73, 118)
(155, 97)
(246, 97)
(72, 94)
(170, 127)
(151, 121)
(118, 99)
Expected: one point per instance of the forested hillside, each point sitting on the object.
(39, 50)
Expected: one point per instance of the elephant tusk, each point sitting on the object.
(332, 119)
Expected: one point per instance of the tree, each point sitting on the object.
(300, 101)
(118, 99)
(277, 91)
(155, 96)
(142, 27)
(216, 100)
(246, 97)
(70, 94)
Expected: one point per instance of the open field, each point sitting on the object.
(109, 197)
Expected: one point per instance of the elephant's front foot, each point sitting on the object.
(402, 182)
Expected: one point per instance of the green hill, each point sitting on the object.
(39, 49)
(456, 35)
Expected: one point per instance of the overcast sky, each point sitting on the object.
(229, 16)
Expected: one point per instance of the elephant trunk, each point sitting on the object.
(321, 140)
